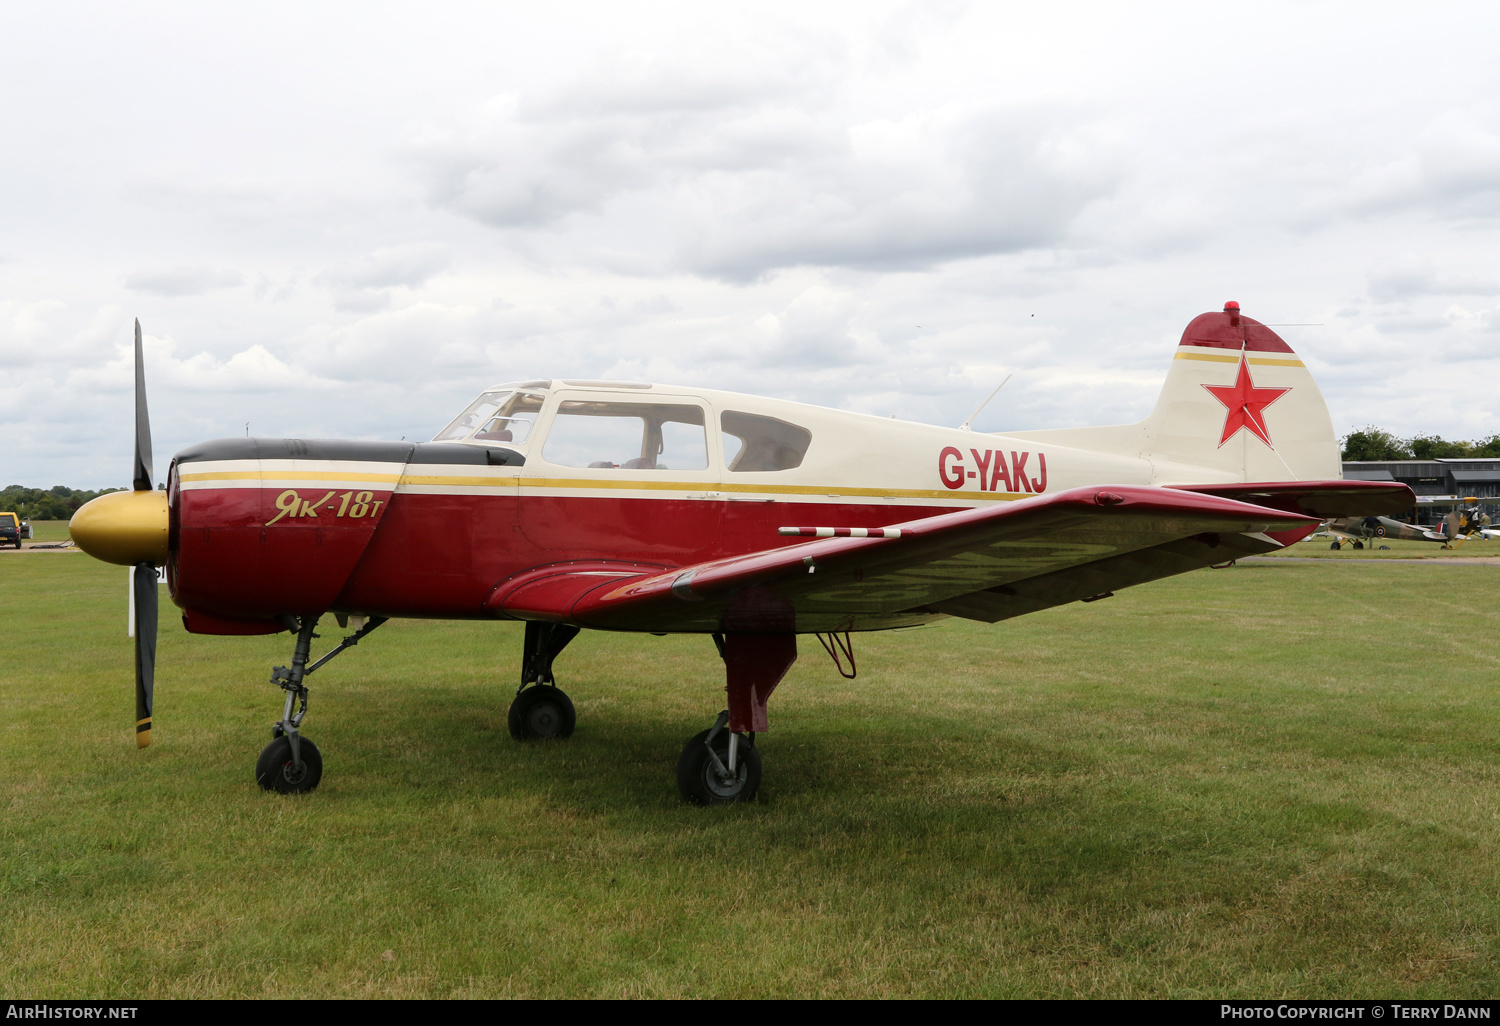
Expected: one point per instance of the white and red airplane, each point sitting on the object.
(619, 506)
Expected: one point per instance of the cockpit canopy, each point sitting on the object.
(627, 432)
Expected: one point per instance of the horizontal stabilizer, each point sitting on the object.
(1322, 499)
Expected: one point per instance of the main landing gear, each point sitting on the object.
(718, 765)
(722, 764)
(541, 709)
(291, 763)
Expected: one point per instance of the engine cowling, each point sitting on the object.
(264, 528)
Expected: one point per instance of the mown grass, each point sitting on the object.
(49, 530)
(1391, 548)
(1271, 780)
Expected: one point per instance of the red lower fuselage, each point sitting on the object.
(252, 540)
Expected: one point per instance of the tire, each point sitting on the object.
(1333, 545)
(273, 770)
(1359, 545)
(698, 781)
(542, 711)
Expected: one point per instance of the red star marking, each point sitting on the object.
(1246, 405)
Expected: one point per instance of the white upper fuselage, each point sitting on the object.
(851, 457)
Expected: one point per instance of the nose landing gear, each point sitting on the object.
(291, 763)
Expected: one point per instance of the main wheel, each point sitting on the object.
(699, 780)
(542, 710)
(274, 770)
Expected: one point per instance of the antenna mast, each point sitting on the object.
(965, 425)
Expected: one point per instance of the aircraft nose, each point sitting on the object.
(123, 527)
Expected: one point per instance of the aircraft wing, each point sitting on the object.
(986, 564)
(1321, 499)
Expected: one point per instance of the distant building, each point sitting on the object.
(1439, 484)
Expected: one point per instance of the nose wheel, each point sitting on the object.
(718, 766)
(278, 770)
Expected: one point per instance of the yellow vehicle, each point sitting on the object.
(10, 529)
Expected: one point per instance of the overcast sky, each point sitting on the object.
(346, 220)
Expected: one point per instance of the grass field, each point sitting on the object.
(49, 530)
(1395, 548)
(1278, 779)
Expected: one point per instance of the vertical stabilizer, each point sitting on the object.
(1237, 399)
(1237, 405)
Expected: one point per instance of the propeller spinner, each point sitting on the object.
(130, 528)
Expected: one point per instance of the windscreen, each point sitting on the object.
(479, 412)
(495, 417)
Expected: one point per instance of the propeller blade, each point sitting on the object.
(142, 472)
(146, 596)
(143, 581)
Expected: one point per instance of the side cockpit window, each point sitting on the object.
(495, 417)
(753, 442)
(627, 436)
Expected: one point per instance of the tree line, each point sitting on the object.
(56, 503)
(1374, 443)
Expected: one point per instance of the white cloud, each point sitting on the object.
(735, 182)
(1410, 277)
(1451, 169)
(366, 284)
(183, 280)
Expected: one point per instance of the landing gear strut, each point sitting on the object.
(541, 709)
(291, 763)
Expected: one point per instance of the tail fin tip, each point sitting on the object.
(1230, 329)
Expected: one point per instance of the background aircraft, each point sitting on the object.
(1455, 527)
(627, 506)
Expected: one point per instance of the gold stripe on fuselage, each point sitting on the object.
(698, 488)
(687, 489)
(285, 475)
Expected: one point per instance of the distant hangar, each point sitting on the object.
(1439, 484)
